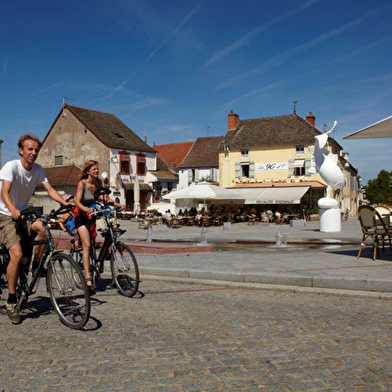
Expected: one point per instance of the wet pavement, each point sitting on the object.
(246, 254)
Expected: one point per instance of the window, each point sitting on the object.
(299, 149)
(58, 160)
(245, 171)
(169, 186)
(125, 163)
(299, 167)
(244, 153)
(299, 171)
(141, 164)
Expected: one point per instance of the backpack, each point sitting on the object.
(70, 225)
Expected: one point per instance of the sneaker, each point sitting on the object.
(13, 312)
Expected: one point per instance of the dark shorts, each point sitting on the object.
(84, 220)
(11, 231)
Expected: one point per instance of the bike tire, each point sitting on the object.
(125, 271)
(94, 273)
(70, 297)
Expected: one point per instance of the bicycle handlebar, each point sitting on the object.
(30, 212)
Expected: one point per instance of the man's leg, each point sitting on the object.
(11, 305)
(38, 228)
(13, 267)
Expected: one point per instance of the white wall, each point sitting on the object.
(183, 179)
(208, 173)
(115, 167)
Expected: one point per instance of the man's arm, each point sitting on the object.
(6, 197)
(54, 194)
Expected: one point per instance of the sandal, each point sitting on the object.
(91, 287)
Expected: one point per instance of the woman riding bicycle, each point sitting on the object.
(88, 184)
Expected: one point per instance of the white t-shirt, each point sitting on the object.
(23, 182)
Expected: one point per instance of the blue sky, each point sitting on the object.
(171, 69)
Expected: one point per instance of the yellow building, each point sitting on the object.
(272, 152)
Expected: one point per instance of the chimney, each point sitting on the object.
(233, 120)
(311, 119)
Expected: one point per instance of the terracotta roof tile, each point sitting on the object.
(63, 175)
(109, 129)
(204, 153)
(173, 153)
(271, 131)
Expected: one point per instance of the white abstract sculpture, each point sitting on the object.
(328, 169)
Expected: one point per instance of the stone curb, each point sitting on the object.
(303, 282)
(276, 287)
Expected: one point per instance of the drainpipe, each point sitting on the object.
(1, 162)
(227, 156)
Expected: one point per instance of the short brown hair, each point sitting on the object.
(87, 166)
(28, 136)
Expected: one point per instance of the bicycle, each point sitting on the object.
(123, 264)
(71, 301)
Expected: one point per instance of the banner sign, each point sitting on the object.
(280, 201)
(272, 166)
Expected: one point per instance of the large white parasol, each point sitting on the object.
(381, 129)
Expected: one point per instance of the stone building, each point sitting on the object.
(80, 134)
(272, 152)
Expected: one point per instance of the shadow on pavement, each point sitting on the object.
(93, 324)
(367, 253)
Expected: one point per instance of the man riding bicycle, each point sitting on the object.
(18, 179)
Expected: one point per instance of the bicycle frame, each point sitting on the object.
(110, 238)
(28, 288)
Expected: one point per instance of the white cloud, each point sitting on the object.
(283, 57)
(245, 39)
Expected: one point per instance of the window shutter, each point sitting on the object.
(237, 170)
(251, 170)
(189, 176)
(308, 164)
(196, 175)
(291, 167)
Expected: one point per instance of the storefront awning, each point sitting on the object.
(281, 195)
(142, 186)
(299, 163)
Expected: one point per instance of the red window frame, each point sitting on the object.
(141, 164)
(125, 162)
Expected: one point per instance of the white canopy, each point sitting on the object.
(381, 129)
(204, 191)
(278, 195)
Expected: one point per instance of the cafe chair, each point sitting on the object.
(374, 227)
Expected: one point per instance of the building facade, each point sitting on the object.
(80, 134)
(201, 163)
(274, 151)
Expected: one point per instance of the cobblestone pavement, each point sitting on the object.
(181, 337)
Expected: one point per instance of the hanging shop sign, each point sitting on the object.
(272, 166)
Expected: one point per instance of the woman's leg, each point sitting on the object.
(85, 239)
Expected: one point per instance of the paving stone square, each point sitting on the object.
(183, 337)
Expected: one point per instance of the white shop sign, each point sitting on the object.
(272, 166)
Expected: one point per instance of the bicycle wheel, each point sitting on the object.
(124, 269)
(68, 291)
(94, 273)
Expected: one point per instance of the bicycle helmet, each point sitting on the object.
(101, 191)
